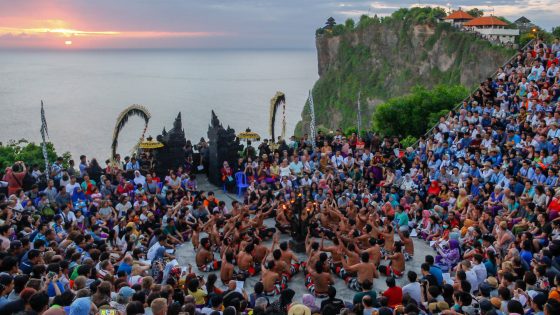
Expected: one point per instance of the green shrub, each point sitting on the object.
(413, 114)
(28, 152)
(408, 141)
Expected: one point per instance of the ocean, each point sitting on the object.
(84, 92)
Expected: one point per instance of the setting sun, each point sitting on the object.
(68, 43)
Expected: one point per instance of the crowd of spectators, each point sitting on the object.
(481, 189)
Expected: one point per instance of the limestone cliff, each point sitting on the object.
(384, 58)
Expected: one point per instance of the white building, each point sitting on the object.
(492, 29)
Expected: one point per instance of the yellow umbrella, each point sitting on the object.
(150, 143)
(249, 135)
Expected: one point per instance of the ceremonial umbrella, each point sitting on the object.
(249, 135)
(150, 143)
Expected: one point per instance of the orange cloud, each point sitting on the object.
(66, 32)
(40, 32)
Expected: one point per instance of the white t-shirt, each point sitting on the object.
(123, 208)
(306, 182)
(414, 291)
(481, 273)
(153, 250)
(70, 188)
(473, 280)
(285, 171)
(70, 217)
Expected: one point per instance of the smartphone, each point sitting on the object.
(108, 312)
(51, 275)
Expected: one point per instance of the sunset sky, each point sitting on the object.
(99, 24)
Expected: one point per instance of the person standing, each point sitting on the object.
(14, 176)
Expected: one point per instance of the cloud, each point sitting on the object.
(227, 23)
(384, 5)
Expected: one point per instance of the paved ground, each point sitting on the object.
(185, 254)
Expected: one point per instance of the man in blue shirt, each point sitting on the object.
(434, 270)
(7, 284)
(27, 264)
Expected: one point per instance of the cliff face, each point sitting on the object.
(384, 60)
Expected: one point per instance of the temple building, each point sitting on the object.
(458, 18)
(524, 24)
(493, 29)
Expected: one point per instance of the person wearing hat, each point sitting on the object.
(82, 306)
(299, 309)
(492, 283)
(438, 307)
(122, 299)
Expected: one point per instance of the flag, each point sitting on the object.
(44, 135)
(312, 123)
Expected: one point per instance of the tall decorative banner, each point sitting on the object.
(44, 134)
(312, 124)
(284, 120)
(278, 100)
(359, 115)
(127, 113)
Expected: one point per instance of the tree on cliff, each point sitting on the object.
(413, 114)
(349, 24)
(556, 31)
(476, 12)
(330, 23)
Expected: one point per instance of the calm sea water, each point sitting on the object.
(85, 91)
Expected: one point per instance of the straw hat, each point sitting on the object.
(492, 281)
(299, 309)
(439, 306)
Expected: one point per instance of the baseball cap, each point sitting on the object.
(126, 292)
(80, 306)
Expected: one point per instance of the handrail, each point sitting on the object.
(493, 75)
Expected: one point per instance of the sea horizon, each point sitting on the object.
(85, 90)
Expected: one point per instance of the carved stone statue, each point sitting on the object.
(172, 155)
(224, 146)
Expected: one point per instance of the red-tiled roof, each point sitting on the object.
(486, 21)
(459, 15)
